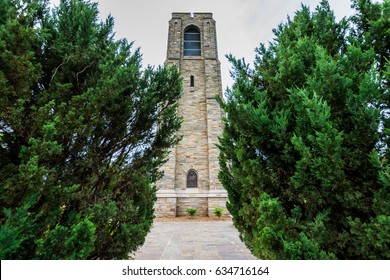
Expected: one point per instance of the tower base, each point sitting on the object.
(173, 203)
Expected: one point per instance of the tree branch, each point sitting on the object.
(55, 72)
(85, 68)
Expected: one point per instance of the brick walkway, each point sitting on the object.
(213, 240)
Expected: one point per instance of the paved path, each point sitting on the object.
(193, 241)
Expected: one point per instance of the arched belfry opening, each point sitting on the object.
(192, 46)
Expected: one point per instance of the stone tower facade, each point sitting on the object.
(191, 173)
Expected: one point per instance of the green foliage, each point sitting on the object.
(279, 237)
(373, 24)
(191, 212)
(305, 138)
(218, 212)
(83, 132)
(76, 240)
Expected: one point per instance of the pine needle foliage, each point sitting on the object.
(83, 131)
(305, 141)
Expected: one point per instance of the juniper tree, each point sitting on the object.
(299, 154)
(83, 130)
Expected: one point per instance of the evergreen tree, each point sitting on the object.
(300, 154)
(83, 131)
(372, 28)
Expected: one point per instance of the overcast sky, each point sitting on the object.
(241, 24)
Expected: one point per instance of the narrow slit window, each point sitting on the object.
(192, 81)
(192, 42)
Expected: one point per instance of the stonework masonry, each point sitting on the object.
(202, 121)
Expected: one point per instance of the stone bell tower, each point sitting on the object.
(191, 173)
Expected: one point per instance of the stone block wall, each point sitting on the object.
(200, 203)
(202, 123)
(165, 207)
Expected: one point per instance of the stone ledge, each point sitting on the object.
(166, 193)
(192, 58)
(192, 193)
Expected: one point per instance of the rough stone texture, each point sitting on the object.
(200, 203)
(202, 123)
(165, 205)
(217, 198)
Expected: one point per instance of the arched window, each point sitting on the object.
(192, 179)
(191, 42)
